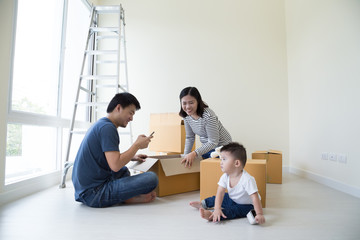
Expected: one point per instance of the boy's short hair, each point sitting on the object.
(124, 99)
(237, 151)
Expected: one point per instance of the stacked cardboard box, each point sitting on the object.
(169, 133)
(274, 164)
(210, 173)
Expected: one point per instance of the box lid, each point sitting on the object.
(260, 152)
(270, 151)
(171, 165)
(275, 151)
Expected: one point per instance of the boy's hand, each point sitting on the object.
(216, 215)
(259, 218)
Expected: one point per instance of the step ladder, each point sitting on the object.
(104, 69)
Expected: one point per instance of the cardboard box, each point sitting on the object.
(274, 164)
(169, 133)
(210, 173)
(173, 177)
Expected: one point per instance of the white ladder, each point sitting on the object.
(104, 65)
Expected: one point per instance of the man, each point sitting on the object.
(100, 176)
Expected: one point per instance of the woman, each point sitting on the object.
(199, 119)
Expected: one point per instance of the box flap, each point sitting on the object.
(173, 166)
(260, 152)
(142, 166)
(275, 151)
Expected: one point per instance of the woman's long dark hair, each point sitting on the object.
(192, 91)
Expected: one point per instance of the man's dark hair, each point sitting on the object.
(237, 151)
(124, 99)
(192, 91)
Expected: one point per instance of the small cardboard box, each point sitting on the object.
(274, 164)
(173, 176)
(169, 132)
(210, 173)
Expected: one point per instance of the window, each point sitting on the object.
(38, 112)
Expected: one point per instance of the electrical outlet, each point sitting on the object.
(333, 157)
(342, 158)
(324, 156)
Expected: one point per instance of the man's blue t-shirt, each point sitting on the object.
(91, 168)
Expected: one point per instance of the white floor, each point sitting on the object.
(296, 209)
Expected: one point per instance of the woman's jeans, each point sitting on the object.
(230, 208)
(208, 154)
(120, 187)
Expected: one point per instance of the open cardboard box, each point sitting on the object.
(173, 176)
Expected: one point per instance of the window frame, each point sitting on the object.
(35, 119)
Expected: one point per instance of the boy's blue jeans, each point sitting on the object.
(119, 188)
(230, 208)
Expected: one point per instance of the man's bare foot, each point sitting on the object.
(143, 198)
(205, 214)
(196, 204)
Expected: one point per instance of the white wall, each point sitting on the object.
(323, 47)
(233, 51)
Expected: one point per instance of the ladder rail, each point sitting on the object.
(72, 122)
(91, 59)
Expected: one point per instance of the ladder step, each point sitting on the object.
(101, 52)
(107, 9)
(108, 86)
(122, 87)
(78, 132)
(107, 37)
(92, 103)
(105, 29)
(87, 90)
(98, 77)
(105, 61)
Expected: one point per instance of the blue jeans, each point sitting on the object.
(231, 209)
(207, 155)
(120, 187)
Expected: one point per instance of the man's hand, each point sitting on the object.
(139, 158)
(143, 141)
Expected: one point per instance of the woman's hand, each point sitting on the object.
(189, 159)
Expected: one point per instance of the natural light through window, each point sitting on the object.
(43, 85)
(37, 56)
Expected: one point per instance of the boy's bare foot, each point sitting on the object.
(143, 198)
(196, 204)
(205, 214)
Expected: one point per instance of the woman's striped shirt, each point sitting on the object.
(210, 130)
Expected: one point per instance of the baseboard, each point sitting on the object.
(22, 189)
(340, 186)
